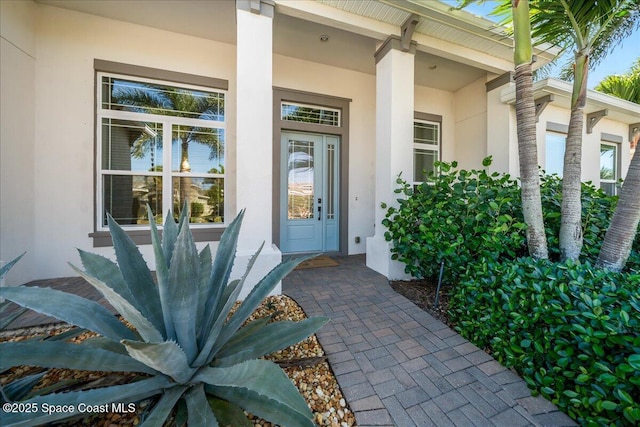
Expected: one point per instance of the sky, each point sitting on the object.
(618, 61)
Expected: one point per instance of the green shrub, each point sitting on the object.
(462, 216)
(457, 216)
(197, 208)
(191, 353)
(572, 332)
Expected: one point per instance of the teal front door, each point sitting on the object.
(309, 193)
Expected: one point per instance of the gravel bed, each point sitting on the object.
(316, 383)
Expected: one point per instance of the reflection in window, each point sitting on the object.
(554, 157)
(137, 118)
(426, 149)
(300, 191)
(608, 168)
(310, 114)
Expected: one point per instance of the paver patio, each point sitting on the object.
(396, 364)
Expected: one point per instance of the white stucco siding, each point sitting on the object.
(17, 112)
(322, 79)
(471, 125)
(67, 44)
(440, 102)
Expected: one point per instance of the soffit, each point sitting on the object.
(351, 47)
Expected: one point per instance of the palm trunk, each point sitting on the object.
(526, 126)
(185, 181)
(624, 225)
(571, 222)
(528, 157)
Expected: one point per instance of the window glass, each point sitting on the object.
(426, 149)
(554, 158)
(137, 120)
(310, 114)
(608, 168)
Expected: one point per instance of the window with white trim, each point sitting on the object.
(159, 144)
(426, 148)
(609, 173)
(554, 153)
(294, 112)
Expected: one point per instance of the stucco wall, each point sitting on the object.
(62, 167)
(471, 125)
(440, 102)
(17, 186)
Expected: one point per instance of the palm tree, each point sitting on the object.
(625, 86)
(161, 100)
(526, 125)
(592, 29)
(624, 224)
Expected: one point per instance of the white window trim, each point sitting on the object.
(167, 129)
(616, 162)
(425, 146)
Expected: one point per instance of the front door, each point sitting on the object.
(309, 193)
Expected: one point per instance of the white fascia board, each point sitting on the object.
(619, 109)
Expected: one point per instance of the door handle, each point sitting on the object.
(319, 211)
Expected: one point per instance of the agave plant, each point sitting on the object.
(191, 351)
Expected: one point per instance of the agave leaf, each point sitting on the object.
(7, 320)
(253, 300)
(105, 344)
(137, 275)
(231, 292)
(228, 414)
(200, 414)
(230, 296)
(69, 308)
(18, 389)
(272, 337)
(5, 268)
(259, 387)
(166, 357)
(67, 335)
(169, 236)
(249, 329)
(122, 393)
(56, 354)
(108, 272)
(206, 262)
(184, 275)
(144, 327)
(222, 265)
(163, 407)
(162, 275)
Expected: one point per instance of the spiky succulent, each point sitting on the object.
(193, 354)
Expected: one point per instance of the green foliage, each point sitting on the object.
(572, 332)
(197, 208)
(457, 216)
(462, 216)
(191, 353)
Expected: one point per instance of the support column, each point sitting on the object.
(394, 143)
(254, 130)
(502, 137)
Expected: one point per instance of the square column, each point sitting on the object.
(254, 170)
(394, 143)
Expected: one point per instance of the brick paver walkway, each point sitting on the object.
(398, 365)
(395, 364)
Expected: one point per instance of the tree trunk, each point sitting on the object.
(528, 157)
(571, 222)
(526, 126)
(624, 225)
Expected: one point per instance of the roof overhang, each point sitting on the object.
(618, 109)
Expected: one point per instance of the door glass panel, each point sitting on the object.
(300, 191)
(331, 181)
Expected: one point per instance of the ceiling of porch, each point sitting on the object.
(293, 36)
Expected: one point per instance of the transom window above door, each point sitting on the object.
(159, 144)
(293, 112)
